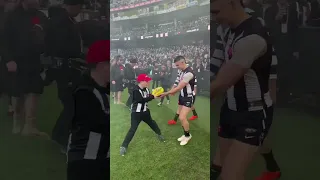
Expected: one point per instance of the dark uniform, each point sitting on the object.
(89, 141)
(165, 81)
(63, 42)
(3, 69)
(245, 115)
(156, 76)
(24, 42)
(140, 112)
(117, 75)
(130, 77)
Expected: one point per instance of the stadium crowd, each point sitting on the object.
(120, 3)
(171, 26)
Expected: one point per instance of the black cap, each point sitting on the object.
(73, 2)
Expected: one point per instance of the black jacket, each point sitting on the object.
(89, 118)
(165, 78)
(117, 73)
(129, 72)
(63, 37)
(22, 37)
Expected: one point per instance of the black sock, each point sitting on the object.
(271, 163)
(215, 172)
(176, 117)
(186, 133)
(194, 112)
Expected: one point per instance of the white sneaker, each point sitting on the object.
(181, 138)
(168, 101)
(185, 140)
(159, 104)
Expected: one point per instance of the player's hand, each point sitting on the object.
(157, 97)
(113, 82)
(12, 66)
(164, 94)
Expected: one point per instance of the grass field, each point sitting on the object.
(295, 137)
(147, 158)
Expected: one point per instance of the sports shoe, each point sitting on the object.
(159, 104)
(180, 138)
(270, 176)
(193, 118)
(185, 140)
(123, 151)
(168, 101)
(161, 138)
(172, 122)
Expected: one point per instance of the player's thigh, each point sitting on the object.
(135, 119)
(222, 150)
(237, 160)
(179, 109)
(184, 112)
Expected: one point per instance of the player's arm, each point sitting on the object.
(186, 78)
(176, 82)
(195, 85)
(138, 97)
(246, 51)
(217, 58)
(273, 77)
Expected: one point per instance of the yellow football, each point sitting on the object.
(157, 91)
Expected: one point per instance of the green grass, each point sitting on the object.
(295, 137)
(147, 158)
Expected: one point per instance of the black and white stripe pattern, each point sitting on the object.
(141, 107)
(188, 90)
(96, 143)
(217, 58)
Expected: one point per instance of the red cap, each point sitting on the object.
(99, 52)
(143, 77)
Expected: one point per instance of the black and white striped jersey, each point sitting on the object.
(90, 130)
(188, 90)
(177, 81)
(217, 56)
(251, 92)
(140, 99)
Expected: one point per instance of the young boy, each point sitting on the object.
(140, 111)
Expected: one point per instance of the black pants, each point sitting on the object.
(60, 132)
(89, 170)
(130, 90)
(136, 118)
(166, 88)
(155, 83)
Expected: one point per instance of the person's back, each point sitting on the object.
(63, 36)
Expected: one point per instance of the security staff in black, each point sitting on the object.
(140, 111)
(64, 42)
(130, 78)
(165, 81)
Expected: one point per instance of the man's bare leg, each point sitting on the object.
(17, 103)
(31, 104)
(185, 125)
(237, 160)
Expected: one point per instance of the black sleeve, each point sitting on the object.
(88, 111)
(137, 97)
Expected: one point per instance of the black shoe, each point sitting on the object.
(123, 151)
(161, 138)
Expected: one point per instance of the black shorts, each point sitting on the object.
(26, 83)
(186, 101)
(118, 87)
(89, 170)
(247, 127)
